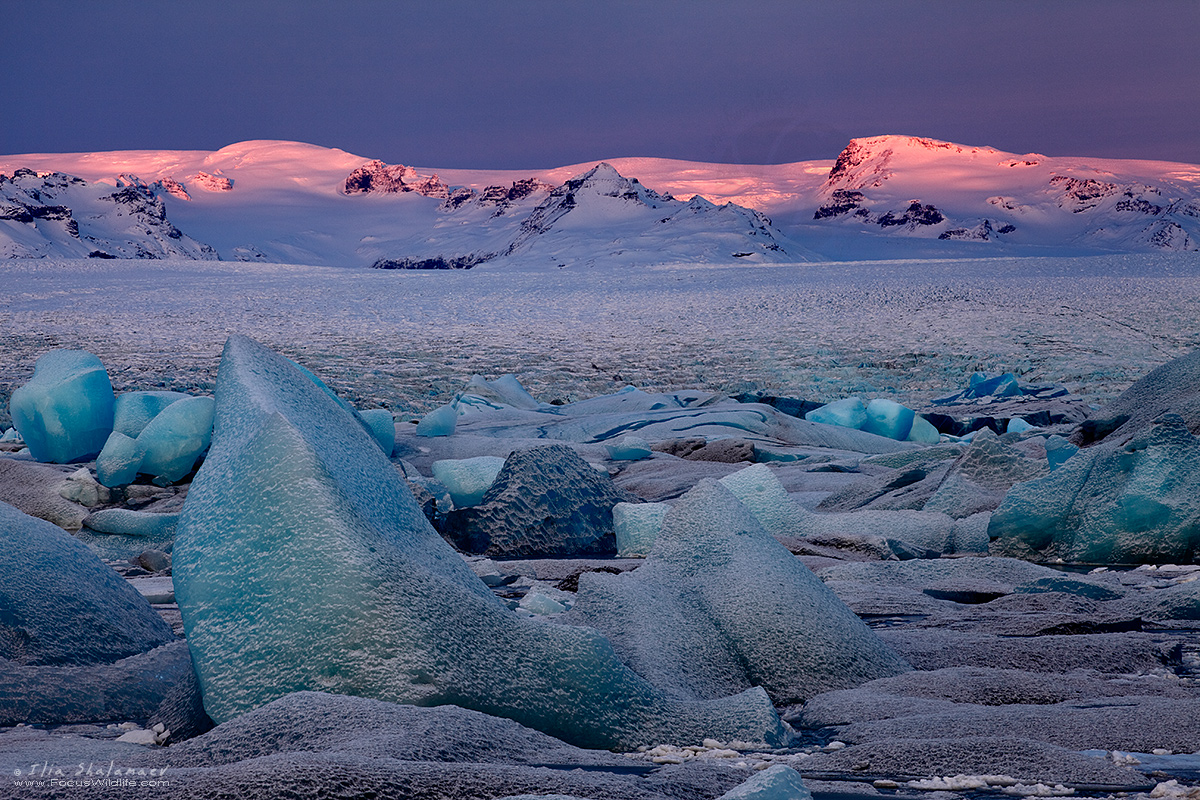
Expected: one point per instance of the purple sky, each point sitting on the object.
(523, 84)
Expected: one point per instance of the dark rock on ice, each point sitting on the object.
(546, 501)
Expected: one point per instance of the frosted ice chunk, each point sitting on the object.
(176, 438)
(467, 479)
(119, 461)
(10, 435)
(1110, 503)
(628, 448)
(439, 422)
(760, 491)
(505, 390)
(776, 782)
(382, 426)
(849, 412)
(923, 432)
(65, 412)
(1058, 450)
(721, 605)
(1018, 425)
(888, 418)
(546, 502)
(383, 605)
(134, 410)
(636, 526)
(538, 603)
(62, 604)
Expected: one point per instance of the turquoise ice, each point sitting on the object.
(849, 412)
(175, 439)
(134, 410)
(467, 479)
(439, 422)
(65, 412)
(382, 426)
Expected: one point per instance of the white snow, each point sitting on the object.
(283, 201)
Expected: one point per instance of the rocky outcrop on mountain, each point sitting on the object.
(500, 198)
(212, 183)
(54, 214)
(377, 177)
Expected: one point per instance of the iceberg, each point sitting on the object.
(65, 412)
(888, 418)
(439, 422)
(382, 426)
(119, 460)
(63, 605)
(1111, 503)
(698, 619)
(384, 606)
(176, 438)
(467, 479)
(849, 412)
(134, 410)
(777, 782)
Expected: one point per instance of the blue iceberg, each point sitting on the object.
(65, 412)
(134, 410)
(176, 438)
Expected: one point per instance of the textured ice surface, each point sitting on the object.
(175, 439)
(888, 418)
(382, 425)
(439, 422)
(61, 604)
(864, 328)
(777, 782)
(467, 479)
(545, 501)
(119, 460)
(849, 412)
(1110, 503)
(628, 448)
(130, 688)
(1173, 388)
(636, 526)
(761, 492)
(121, 533)
(720, 605)
(134, 410)
(385, 607)
(65, 412)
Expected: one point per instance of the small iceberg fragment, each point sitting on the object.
(65, 412)
(174, 440)
(777, 782)
(628, 448)
(439, 422)
(636, 526)
(467, 479)
(881, 417)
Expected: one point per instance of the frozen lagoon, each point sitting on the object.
(908, 329)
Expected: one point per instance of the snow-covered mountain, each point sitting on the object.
(922, 188)
(887, 196)
(55, 214)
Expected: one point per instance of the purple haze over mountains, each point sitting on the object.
(535, 83)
